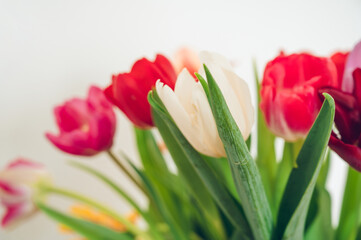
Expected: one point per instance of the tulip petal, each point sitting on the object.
(339, 59)
(357, 89)
(353, 62)
(234, 89)
(75, 142)
(16, 213)
(207, 124)
(132, 100)
(97, 100)
(350, 153)
(186, 58)
(166, 68)
(180, 116)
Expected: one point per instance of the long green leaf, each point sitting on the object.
(89, 230)
(244, 170)
(176, 231)
(297, 195)
(183, 151)
(266, 154)
(351, 207)
(321, 227)
(163, 181)
(110, 183)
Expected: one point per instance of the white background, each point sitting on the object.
(53, 50)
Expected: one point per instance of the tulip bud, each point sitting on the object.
(129, 91)
(289, 93)
(189, 107)
(86, 126)
(17, 187)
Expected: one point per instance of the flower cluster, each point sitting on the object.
(208, 114)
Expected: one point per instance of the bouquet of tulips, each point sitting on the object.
(196, 113)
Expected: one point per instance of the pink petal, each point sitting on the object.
(21, 162)
(97, 99)
(75, 142)
(353, 62)
(7, 188)
(16, 213)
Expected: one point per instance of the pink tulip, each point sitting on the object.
(17, 182)
(86, 126)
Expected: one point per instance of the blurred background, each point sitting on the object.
(51, 51)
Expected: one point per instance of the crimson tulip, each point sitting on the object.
(289, 92)
(17, 188)
(346, 141)
(129, 91)
(86, 126)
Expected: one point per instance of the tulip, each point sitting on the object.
(189, 107)
(129, 91)
(289, 93)
(17, 189)
(347, 141)
(86, 126)
(186, 58)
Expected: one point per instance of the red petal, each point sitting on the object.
(167, 70)
(339, 59)
(350, 153)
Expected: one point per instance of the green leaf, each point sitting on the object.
(244, 170)
(89, 230)
(110, 183)
(297, 195)
(351, 207)
(266, 155)
(358, 237)
(284, 168)
(321, 227)
(199, 173)
(175, 229)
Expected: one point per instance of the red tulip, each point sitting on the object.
(86, 126)
(289, 93)
(129, 91)
(17, 182)
(347, 143)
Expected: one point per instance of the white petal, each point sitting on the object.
(241, 89)
(189, 128)
(207, 123)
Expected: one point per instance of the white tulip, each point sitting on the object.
(189, 107)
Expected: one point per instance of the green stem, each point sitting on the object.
(351, 204)
(126, 171)
(66, 193)
(290, 153)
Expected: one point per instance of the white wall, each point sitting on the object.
(52, 50)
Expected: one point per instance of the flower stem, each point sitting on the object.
(66, 193)
(126, 171)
